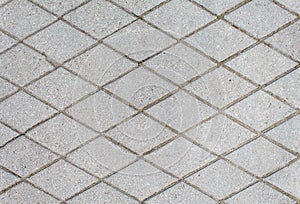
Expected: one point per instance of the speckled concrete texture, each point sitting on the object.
(150, 102)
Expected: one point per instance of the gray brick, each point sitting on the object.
(100, 111)
(220, 87)
(59, 7)
(140, 87)
(261, 64)
(260, 193)
(218, 6)
(99, 18)
(220, 179)
(288, 88)
(181, 193)
(179, 18)
(6, 88)
(61, 88)
(287, 134)
(62, 179)
(179, 63)
(264, 157)
(180, 157)
(102, 193)
(220, 134)
(70, 88)
(290, 4)
(22, 18)
(6, 42)
(26, 66)
(181, 111)
(25, 192)
(7, 179)
(60, 41)
(101, 157)
(287, 41)
(23, 115)
(220, 40)
(265, 17)
(6, 134)
(260, 110)
(288, 179)
(139, 40)
(143, 179)
(140, 133)
(23, 156)
(138, 6)
(100, 65)
(61, 134)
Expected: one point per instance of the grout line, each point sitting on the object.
(120, 98)
(282, 6)
(5, 3)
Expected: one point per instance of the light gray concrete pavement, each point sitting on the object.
(162, 101)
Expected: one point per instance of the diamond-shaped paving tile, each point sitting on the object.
(218, 6)
(287, 40)
(101, 157)
(61, 88)
(22, 18)
(180, 157)
(6, 134)
(138, 6)
(261, 64)
(102, 193)
(139, 40)
(59, 7)
(265, 17)
(140, 87)
(26, 66)
(100, 111)
(61, 134)
(140, 133)
(260, 193)
(62, 179)
(260, 157)
(291, 4)
(288, 88)
(220, 179)
(22, 111)
(220, 40)
(287, 134)
(219, 134)
(179, 63)
(220, 87)
(6, 88)
(181, 111)
(259, 110)
(288, 179)
(140, 179)
(179, 18)
(23, 156)
(99, 18)
(7, 179)
(6, 42)
(100, 65)
(181, 193)
(60, 41)
(25, 192)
